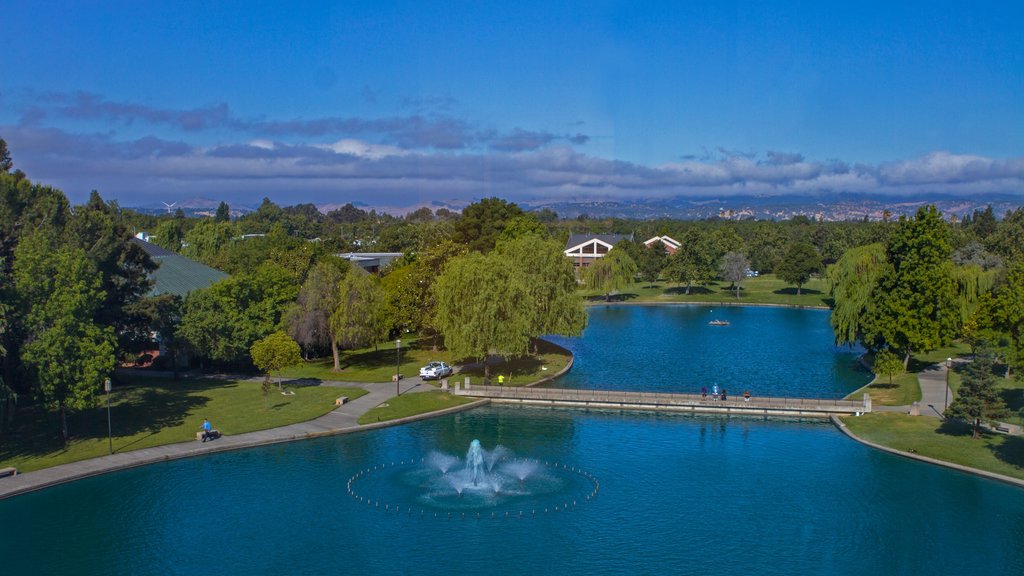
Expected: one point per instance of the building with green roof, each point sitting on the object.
(176, 274)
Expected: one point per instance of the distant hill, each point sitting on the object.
(193, 207)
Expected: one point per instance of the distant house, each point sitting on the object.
(371, 261)
(584, 249)
(176, 274)
(670, 244)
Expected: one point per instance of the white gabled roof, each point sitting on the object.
(667, 240)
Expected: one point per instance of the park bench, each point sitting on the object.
(340, 400)
(5, 472)
(214, 434)
(1003, 429)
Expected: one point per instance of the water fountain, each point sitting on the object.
(489, 480)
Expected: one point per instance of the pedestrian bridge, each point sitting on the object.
(666, 402)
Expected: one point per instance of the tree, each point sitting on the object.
(275, 353)
(358, 320)
(553, 305)
(68, 353)
(694, 261)
(223, 213)
(852, 280)
(915, 299)
(733, 268)
(6, 164)
(888, 364)
(1003, 313)
(612, 272)
(796, 267)
(651, 262)
(308, 320)
(480, 304)
(483, 222)
(977, 398)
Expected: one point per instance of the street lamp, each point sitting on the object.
(398, 367)
(110, 437)
(949, 363)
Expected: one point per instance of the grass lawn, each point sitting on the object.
(948, 441)
(903, 390)
(411, 405)
(152, 412)
(378, 365)
(766, 289)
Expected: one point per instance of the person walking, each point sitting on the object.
(725, 395)
(703, 392)
(714, 392)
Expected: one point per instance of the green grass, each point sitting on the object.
(152, 412)
(903, 390)
(411, 405)
(766, 289)
(947, 441)
(378, 365)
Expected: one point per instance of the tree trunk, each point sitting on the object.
(337, 357)
(906, 359)
(65, 434)
(797, 289)
(977, 428)
(688, 288)
(737, 291)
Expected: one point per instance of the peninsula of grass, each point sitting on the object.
(378, 364)
(147, 412)
(411, 405)
(766, 289)
(905, 388)
(949, 441)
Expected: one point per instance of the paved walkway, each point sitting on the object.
(338, 421)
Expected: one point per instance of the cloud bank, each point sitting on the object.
(411, 158)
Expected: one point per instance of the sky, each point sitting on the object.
(400, 103)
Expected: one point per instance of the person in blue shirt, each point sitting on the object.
(206, 430)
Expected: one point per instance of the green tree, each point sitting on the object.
(308, 320)
(358, 320)
(694, 262)
(68, 353)
(220, 323)
(651, 262)
(915, 304)
(977, 399)
(206, 239)
(275, 353)
(223, 213)
(888, 364)
(480, 304)
(1003, 313)
(733, 268)
(800, 262)
(611, 273)
(170, 234)
(852, 280)
(6, 164)
(483, 222)
(553, 304)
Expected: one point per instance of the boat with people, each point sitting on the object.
(719, 323)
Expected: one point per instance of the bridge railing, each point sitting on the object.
(656, 398)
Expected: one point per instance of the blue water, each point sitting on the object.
(768, 351)
(675, 494)
(678, 495)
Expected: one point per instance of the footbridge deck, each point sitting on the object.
(670, 402)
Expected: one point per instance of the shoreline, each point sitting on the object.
(688, 303)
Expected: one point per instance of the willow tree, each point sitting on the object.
(480, 308)
(852, 280)
(612, 272)
(358, 320)
(553, 306)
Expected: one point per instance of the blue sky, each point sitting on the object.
(399, 103)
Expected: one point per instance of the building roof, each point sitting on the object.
(609, 239)
(666, 240)
(370, 260)
(176, 274)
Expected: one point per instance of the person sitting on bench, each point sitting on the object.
(207, 430)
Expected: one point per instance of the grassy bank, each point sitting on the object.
(947, 441)
(152, 412)
(378, 364)
(412, 405)
(766, 289)
(905, 388)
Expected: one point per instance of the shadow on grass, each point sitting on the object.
(383, 357)
(955, 428)
(614, 297)
(1010, 450)
(694, 291)
(792, 292)
(883, 386)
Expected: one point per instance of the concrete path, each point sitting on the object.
(338, 421)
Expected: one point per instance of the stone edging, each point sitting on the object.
(694, 303)
(965, 469)
(230, 448)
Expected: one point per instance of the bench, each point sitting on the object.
(340, 400)
(214, 434)
(5, 472)
(1003, 429)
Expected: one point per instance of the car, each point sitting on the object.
(436, 370)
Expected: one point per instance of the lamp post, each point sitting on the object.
(110, 437)
(949, 364)
(398, 367)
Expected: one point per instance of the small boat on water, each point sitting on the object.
(719, 323)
